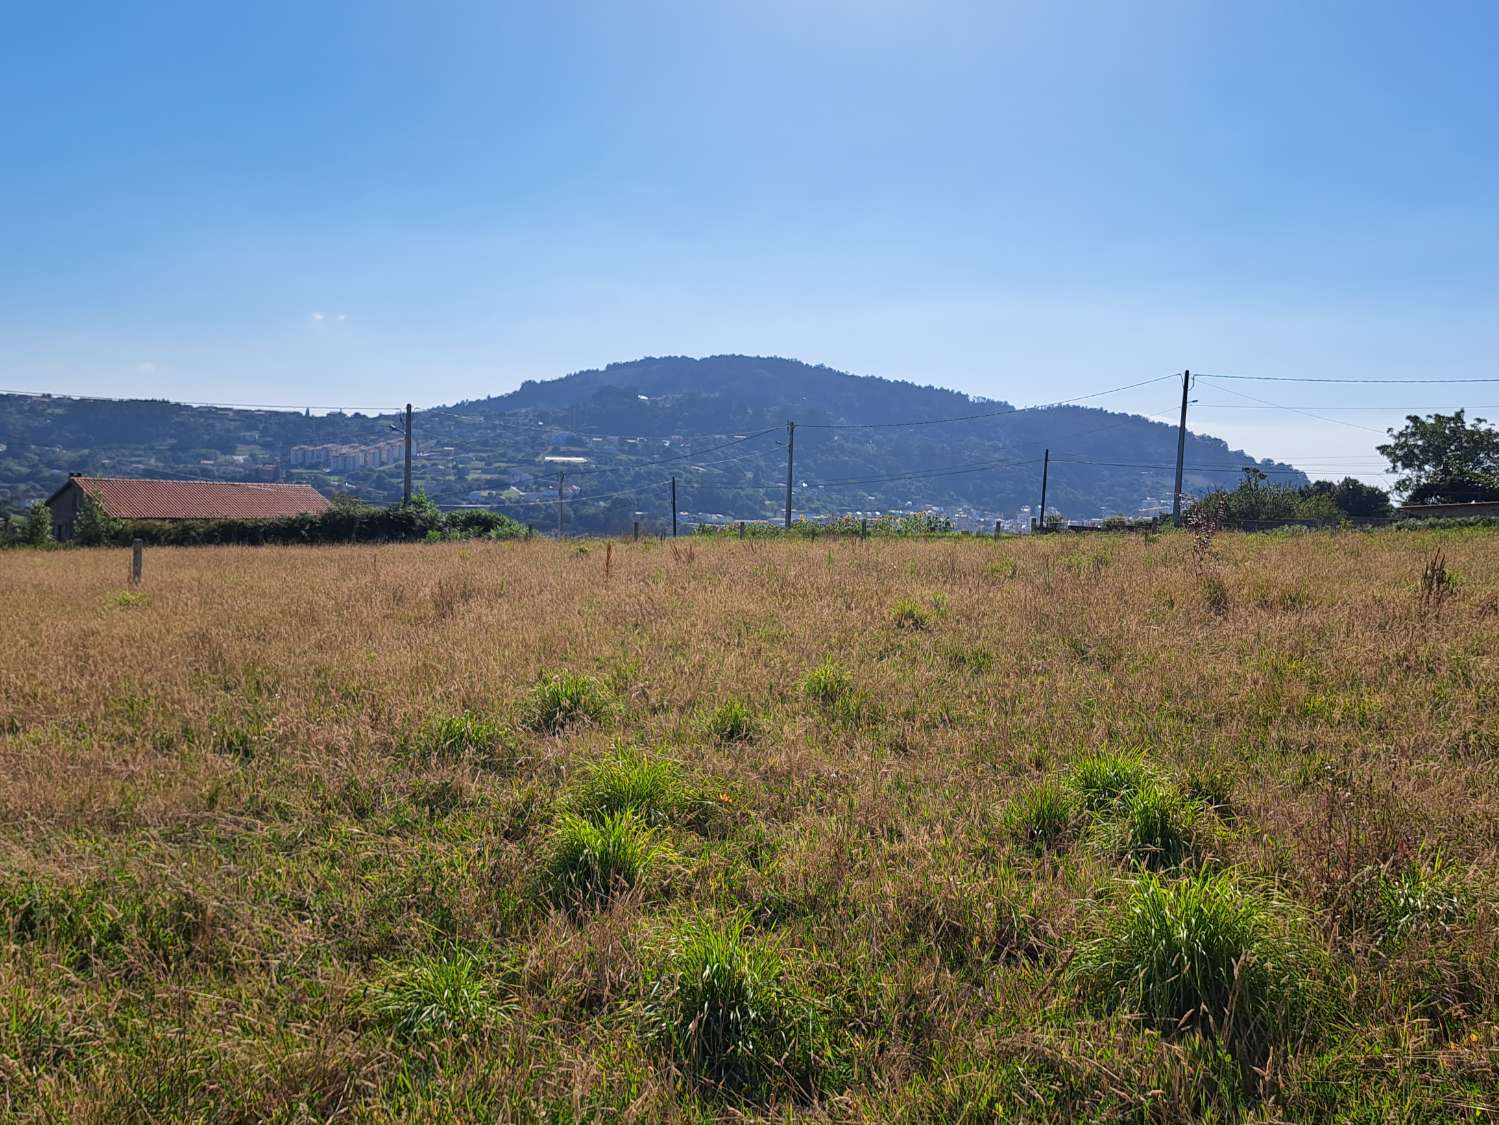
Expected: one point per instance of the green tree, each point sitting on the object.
(93, 527)
(36, 528)
(1351, 497)
(1445, 458)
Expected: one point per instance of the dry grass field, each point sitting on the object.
(1074, 828)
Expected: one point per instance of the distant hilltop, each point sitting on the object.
(622, 430)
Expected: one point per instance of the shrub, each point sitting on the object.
(1102, 779)
(1043, 816)
(726, 1010)
(731, 721)
(453, 736)
(827, 683)
(1197, 952)
(591, 861)
(557, 702)
(628, 781)
(435, 997)
(908, 613)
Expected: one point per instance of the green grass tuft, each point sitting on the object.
(455, 736)
(908, 613)
(591, 861)
(436, 997)
(628, 781)
(1155, 827)
(1414, 898)
(560, 701)
(1100, 780)
(1042, 817)
(828, 683)
(727, 1011)
(1196, 952)
(731, 721)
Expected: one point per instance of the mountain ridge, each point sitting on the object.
(863, 444)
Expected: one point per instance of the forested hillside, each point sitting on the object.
(637, 424)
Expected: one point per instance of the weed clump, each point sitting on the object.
(559, 701)
(435, 997)
(727, 1011)
(1196, 952)
(593, 860)
(629, 782)
(1042, 817)
(731, 721)
(910, 614)
(1100, 780)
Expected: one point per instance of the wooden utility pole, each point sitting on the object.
(1181, 452)
(406, 486)
(673, 507)
(1045, 471)
(790, 467)
(637, 531)
(559, 504)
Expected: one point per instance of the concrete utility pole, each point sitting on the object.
(1181, 452)
(559, 504)
(673, 507)
(1045, 471)
(790, 467)
(406, 487)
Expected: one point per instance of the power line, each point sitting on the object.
(1189, 468)
(1323, 379)
(976, 417)
(1391, 409)
(1303, 413)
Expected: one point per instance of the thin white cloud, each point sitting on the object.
(317, 316)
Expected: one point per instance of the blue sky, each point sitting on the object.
(365, 203)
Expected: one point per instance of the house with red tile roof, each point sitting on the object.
(181, 500)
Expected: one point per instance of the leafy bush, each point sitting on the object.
(435, 997)
(559, 701)
(1043, 816)
(592, 860)
(827, 683)
(628, 781)
(728, 1013)
(1102, 779)
(1196, 952)
(731, 721)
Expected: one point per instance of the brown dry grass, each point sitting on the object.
(227, 764)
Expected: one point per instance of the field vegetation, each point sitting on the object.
(1132, 827)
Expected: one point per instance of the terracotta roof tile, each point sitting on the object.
(200, 499)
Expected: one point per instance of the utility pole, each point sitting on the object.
(673, 507)
(1045, 472)
(559, 504)
(790, 467)
(406, 488)
(1181, 452)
